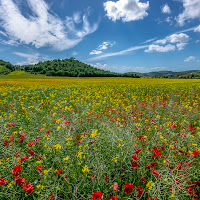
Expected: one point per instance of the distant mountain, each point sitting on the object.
(169, 74)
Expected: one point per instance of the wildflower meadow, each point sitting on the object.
(99, 138)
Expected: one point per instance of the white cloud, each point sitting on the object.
(163, 41)
(159, 68)
(169, 20)
(180, 39)
(191, 11)
(126, 10)
(95, 52)
(181, 46)
(100, 66)
(197, 29)
(159, 48)
(174, 38)
(74, 53)
(166, 9)
(118, 53)
(190, 58)
(31, 58)
(103, 46)
(42, 28)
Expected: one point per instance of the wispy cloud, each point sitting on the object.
(118, 53)
(31, 59)
(150, 40)
(186, 30)
(42, 28)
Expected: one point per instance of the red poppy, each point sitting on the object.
(51, 197)
(97, 195)
(156, 173)
(58, 171)
(152, 165)
(39, 168)
(135, 157)
(113, 198)
(195, 153)
(21, 140)
(16, 169)
(47, 132)
(22, 159)
(106, 178)
(137, 151)
(5, 143)
(20, 181)
(92, 177)
(32, 153)
(3, 181)
(11, 138)
(28, 188)
(142, 180)
(190, 190)
(30, 144)
(128, 188)
(140, 190)
(116, 186)
(134, 165)
(17, 154)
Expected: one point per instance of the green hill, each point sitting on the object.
(6, 67)
(70, 67)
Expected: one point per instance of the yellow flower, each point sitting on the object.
(39, 162)
(114, 159)
(57, 146)
(40, 186)
(94, 133)
(151, 185)
(79, 154)
(85, 169)
(67, 158)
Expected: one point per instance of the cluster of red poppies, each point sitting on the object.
(28, 188)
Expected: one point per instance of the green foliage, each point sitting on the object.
(72, 68)
(6, 67)
(4, 70)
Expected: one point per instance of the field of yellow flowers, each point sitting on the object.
(99, 138)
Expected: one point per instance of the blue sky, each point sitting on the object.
(115, 35)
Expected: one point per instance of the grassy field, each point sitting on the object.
(99, 138)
